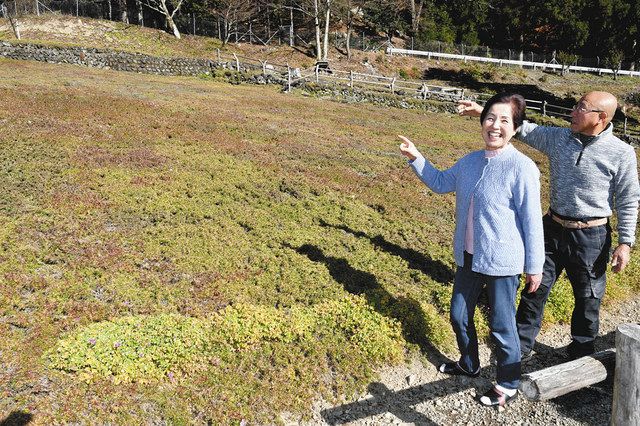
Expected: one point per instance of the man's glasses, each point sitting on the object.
(582, 109)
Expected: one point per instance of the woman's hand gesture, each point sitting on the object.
(469, 108)
(408, 149)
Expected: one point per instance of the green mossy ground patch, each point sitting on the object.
(142, 209)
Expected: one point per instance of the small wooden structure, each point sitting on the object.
(621, 363)
(563, 378)
(626, 385)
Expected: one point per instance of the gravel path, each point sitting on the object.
(418, 394)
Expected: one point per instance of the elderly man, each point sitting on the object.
(592, 172)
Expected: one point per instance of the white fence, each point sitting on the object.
(500, 62)
(393, 85)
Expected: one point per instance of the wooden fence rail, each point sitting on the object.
(417, 89)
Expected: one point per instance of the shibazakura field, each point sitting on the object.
(185, 250)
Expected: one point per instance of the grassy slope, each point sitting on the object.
(128, 194)
(60, 29)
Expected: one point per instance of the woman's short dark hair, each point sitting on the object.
(518, 106)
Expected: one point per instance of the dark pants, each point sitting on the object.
(583, 254)
(501, 292)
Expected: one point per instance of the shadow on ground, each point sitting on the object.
(399, 403)
(465, 78)
(433, 268)
(405, 310)
(17, 418)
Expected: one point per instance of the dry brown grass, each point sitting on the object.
(133, 194)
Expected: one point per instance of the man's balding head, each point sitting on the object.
(604, 101)
(593, 113)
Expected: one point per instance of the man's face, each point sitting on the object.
(585, 117)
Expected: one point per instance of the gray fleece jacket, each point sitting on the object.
(589, 178)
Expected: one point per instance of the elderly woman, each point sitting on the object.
(498, 235)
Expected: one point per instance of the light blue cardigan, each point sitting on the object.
(507, 222)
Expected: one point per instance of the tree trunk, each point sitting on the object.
(227, 30)
(15, 25)
(316, 23)
(235, 20)
(521, 57)
(626, 385)
(418, 12)
(268, 23)
(124, 15)
(140, 13)
(326, 31)
(172, 26)
(110, 8)
(291, 34)
(412, 6)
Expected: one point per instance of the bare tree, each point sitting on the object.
(231, 12)
(416, 14)
(124, 16)
(15, 25)
(168, 8)
(318, 10)
(347, 11)
(327, 19)
(316, 26)
(14, 15)
(140, 14)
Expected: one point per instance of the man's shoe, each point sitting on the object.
(494, 397)
(454, 369)
(526, 356)
(577, 350)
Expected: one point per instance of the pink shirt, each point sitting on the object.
(468, 237)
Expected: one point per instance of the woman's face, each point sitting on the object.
(497, 127)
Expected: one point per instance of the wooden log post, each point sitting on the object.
(626, 385)
(237, 62)
(563, 378)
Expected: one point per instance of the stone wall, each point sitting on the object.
(399, 99)
(106, 59)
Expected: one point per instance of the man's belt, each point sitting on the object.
(578, 224)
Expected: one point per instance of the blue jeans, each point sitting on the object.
(501, 292)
